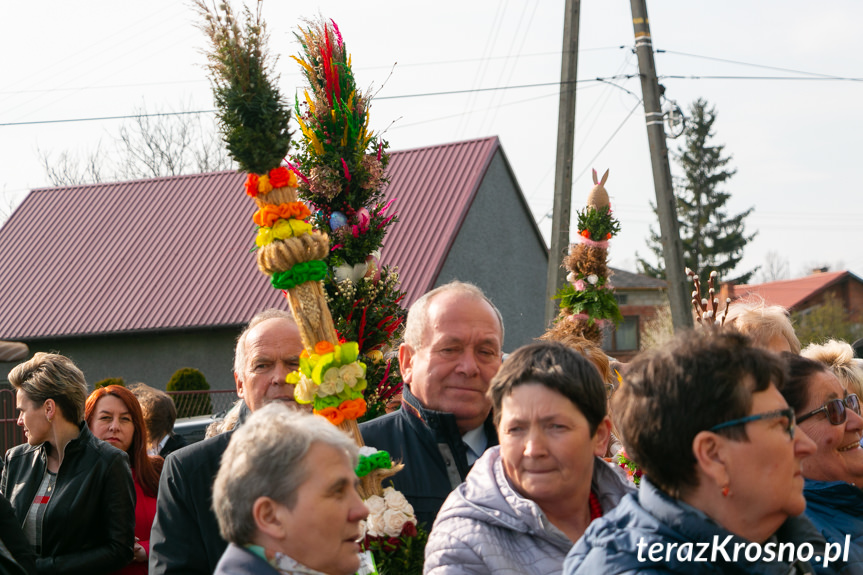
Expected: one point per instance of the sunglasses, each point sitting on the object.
(787, 413)
(835, 409)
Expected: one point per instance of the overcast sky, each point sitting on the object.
(785, 77)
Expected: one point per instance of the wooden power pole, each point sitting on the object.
(672, 249)
(563, 166)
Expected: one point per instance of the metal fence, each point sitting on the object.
(189, 404)
(10, 434)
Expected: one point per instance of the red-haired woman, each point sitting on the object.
(114, 415)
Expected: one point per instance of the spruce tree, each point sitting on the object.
(712, 239)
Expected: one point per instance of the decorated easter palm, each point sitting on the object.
(589, 299)
(293, 246)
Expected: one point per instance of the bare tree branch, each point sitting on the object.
(146, 147)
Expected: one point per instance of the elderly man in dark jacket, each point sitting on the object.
(452, 349)
(185, 537)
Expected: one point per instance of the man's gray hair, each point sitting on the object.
(260, 317)
(418, 312)
(267, 458)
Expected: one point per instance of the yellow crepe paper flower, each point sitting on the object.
(282, 229)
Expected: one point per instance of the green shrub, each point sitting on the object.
(190, 404)
(109, 381)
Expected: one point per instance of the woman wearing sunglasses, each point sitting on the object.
(704, 418)
(830, 415)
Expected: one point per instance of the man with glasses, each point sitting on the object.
(830, 416)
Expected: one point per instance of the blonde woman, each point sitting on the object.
(839, 357)
(73, 493)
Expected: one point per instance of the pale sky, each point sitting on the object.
(794, 138)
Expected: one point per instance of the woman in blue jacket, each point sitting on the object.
(722, 486)
(72, 493)
(830, 414)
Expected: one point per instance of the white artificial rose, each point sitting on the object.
(305, 390)
(363, 529)
(376, 505)
(376, 525)
(349, 374)
(331, 384)
(396, 500)
(408, 510)
(592, 279)
(394, 520)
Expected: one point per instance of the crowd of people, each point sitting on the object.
(748, 452)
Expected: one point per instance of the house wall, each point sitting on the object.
(643, 297)
(149, 358)
(855, 300)
(849, 292)
(499, 250)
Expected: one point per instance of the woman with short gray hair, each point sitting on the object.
(527, 500)
(286, 498)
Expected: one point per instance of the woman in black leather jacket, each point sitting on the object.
(72, 493)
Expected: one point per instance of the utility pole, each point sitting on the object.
(563, 166)
(672, 248)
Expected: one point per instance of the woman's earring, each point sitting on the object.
(725, 491)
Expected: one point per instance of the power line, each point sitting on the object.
(427, 94)
(738, 62)
(456, 92)
(107, 118)
(290, 74)
(796, 78)
(601, 149)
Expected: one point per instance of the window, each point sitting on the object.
(622, 338)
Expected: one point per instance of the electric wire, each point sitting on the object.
(510, 63)
(739, 63)
(601, 149)
(422, 95)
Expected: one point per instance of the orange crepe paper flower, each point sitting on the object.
(332, 414)
(323, 348)
(269, 214)
(353, 408)
(252, 185)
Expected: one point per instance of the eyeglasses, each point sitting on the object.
(835, 408)
(787, 413)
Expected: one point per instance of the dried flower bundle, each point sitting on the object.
(341, 166)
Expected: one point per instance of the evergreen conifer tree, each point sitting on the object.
(712, 239)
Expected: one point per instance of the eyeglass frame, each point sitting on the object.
(787, 412)
(845, 407)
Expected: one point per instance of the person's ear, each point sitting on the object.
(406, 355)
(50, 408)
(711, 456)
(602, 436)
(269, 518)
(239, 383)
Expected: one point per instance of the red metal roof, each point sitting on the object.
(789, 293)
(173, 253)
